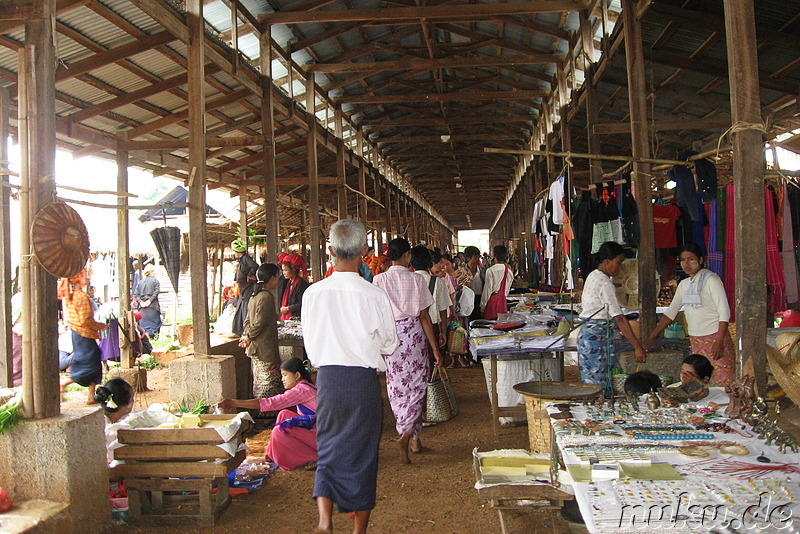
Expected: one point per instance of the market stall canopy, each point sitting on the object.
(173, 204)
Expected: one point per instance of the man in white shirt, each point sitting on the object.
(348, 326)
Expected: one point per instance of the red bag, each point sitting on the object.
(497, 302)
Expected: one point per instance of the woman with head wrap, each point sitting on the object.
(260, 337)
(292, 286)
(246, 279)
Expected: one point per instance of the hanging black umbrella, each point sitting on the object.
(168, 243)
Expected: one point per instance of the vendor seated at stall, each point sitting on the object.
(116, 399)
(641, 383)
(293, 441)
(696, 367)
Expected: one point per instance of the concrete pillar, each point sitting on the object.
(61, 459)
(206, 377)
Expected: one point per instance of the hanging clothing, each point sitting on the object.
(664, 221)
(245, 277)
(730, 255)
(788, 259)
(713, 256)
(685, 191)
(630, 220)
(556, 196)
(777, 286)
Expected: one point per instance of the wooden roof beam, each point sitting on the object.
(664, 125)
(449, 12)
(113, 55)
(431, 64)
(438, 138)
(449, 121)
(183, 115)
(718, 70)
(446, 97)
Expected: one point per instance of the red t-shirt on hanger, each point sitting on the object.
(664, 221)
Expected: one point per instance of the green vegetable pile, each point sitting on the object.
(201, 407)
(10, 413)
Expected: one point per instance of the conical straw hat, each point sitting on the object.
(786, 372)
(60, 240)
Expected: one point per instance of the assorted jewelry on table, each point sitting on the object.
(621, 430)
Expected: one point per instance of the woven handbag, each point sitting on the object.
(456, 338)
(439, 408)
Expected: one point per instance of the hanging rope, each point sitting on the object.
(742, 126)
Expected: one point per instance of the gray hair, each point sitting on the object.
(347, 238)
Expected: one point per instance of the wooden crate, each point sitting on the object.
(205, 436)
(539, 428)
(161, 464)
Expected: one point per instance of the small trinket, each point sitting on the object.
(652, 401)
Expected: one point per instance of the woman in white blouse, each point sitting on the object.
(601, 313)
(705, 305)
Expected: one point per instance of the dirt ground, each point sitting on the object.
(433, 495)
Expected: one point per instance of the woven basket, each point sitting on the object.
(538, 424)
(786, 372)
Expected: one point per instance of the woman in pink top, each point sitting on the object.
(408, 368)
(293, 441)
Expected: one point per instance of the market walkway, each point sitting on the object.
(433, 495)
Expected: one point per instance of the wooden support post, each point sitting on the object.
(749, 218)
(341, 169)
(363, 209)
(313, 183)
(198, 250)
(215, 265)
(637, 97)
(243, 215)
(123, 254)
(414, 225)
(398, 216)
(595, 165)
(387, 201)
(268, 130)
(529, 235)
(39, 71)
(6, 369)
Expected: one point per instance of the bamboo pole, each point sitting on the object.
(6, 320)
(579, 155)
(123, 254)
(23, 126)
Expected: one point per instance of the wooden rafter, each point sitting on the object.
(450, 12)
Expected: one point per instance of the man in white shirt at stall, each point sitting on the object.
(348, 326)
